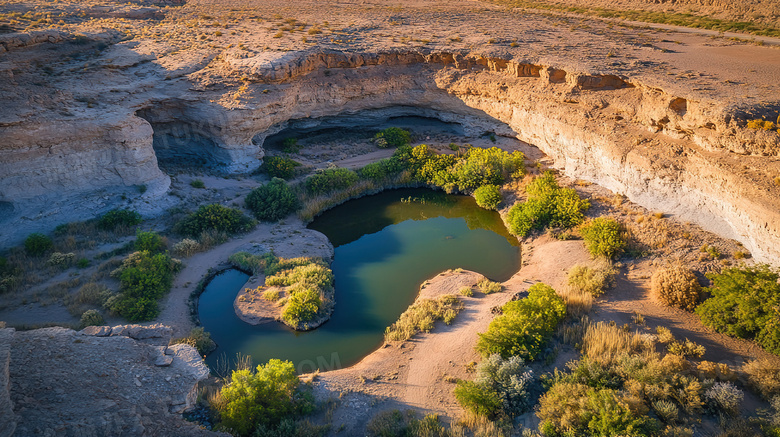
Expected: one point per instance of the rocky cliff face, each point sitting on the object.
(689, 156)
(101, 381)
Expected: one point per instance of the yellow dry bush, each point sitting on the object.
(716, 371)
(675, 285)
(764, 376)
(578, 302)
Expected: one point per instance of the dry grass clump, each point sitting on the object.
(715, 371)
(764, 376)
(675, 285)
(199, 339)
(578, 302)
(487, 286)
(466, 291)
(593, 280)
(421, 316)
(605, 343)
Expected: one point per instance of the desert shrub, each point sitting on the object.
(675, 285)
(421, 316)
(578, 303)
(150, 242)
(392, 137)
(686, 348)
(593, 280)
(91, 318)
(264, 397)
(61, 260)
(144, 278)
(273, 201)
(82, 263)
(199, 339)
(724, 397)
(759, 124)
(548, 204)
(313, 275)
(37, 244)
(491, 166)
(764, 377)
(743, 304)
(576, 409)
(118, 217)
(214, 217)
(604, 343)
(186, 247)
(329, 180)
(478, 399)
(302, 307)
(466, 291)
(381, 170)
(279, 167)
(664, 334)
(488, 196)
(525, 325)
(487, 286)
(666, 410)
(394, 423)
(510, 379)
(197, 183)
(92, 293)
(603, 237)
(290, 145)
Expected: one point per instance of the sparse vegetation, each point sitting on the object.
(593, 280)
(91, 318)
(199, 339)
(395, 423)
(421, 316)
(197, 183)
(487, 286)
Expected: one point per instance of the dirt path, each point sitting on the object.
(287, 239)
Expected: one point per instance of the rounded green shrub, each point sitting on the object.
(273, 201)
(118, 217)
(149, 241)
(332, 179)
(603, 237)
(214, 217)
(392, 137)
(91, 318)
(488, 196)
(37, 244)
(279, 167)
(548, 204)
(302, 307)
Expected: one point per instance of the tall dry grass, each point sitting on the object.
(605, 343)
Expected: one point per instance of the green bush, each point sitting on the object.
(478, 399)
(743, 304)
(263, 398)
(279, 167)
(273, 201)
(82, 263)
(37, 244)
(488, 196)
(603, 237)
(593, 280)
(144, 278)
(214, 217)
(302, 306)
(525, 325)
(91, 318)
(199, 339)
(290, 145)
(149, 241)
(329, 180)
(381, 170)
(118, 217)
(392, 137)
(548, 204)
(197, 183)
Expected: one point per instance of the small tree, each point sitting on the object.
(392, 137)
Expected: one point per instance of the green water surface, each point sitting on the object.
(386, 245)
